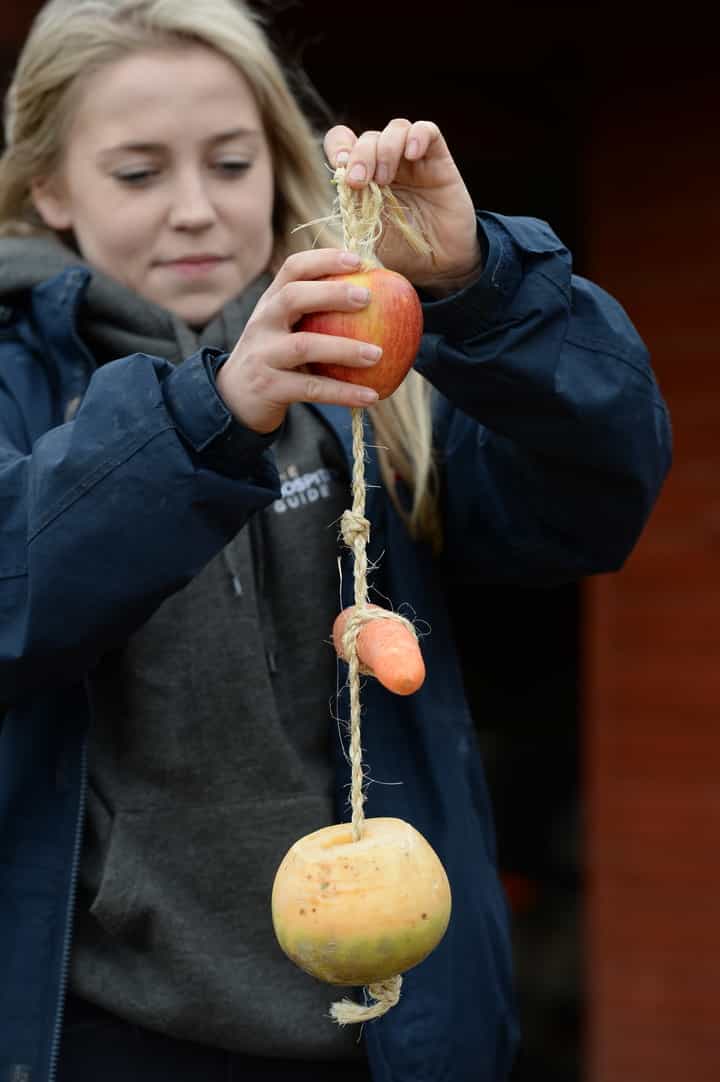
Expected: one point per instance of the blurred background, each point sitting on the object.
(597, 704)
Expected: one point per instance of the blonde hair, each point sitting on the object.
(70, 39)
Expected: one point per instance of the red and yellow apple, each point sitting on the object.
(392, 319)
(358, 912)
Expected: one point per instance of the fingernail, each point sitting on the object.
(359, 294)
(382, 174)
(366, 394)
(371, 353)
(350, 259)
(342, 157)
(358, 172)
(412, 149)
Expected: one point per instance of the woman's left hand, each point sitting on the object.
(413, 159)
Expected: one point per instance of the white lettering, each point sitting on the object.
(302, 489)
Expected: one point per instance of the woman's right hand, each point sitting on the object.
(266, 370)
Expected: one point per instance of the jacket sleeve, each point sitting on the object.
(553, 436)
(106, 516)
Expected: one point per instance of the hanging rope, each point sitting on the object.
(361, 212)
(356, 533)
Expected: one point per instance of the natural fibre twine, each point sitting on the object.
(361, 213)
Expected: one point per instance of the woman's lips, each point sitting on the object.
(194, 266)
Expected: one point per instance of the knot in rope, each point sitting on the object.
(386, 995)
(355, 528)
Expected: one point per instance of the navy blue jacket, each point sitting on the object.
(554, 442)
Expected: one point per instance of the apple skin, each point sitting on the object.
(393, 320)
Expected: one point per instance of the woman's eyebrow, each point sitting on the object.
(235, 133)
(148, 147)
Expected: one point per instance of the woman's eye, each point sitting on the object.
(233, 167)
(135, 176)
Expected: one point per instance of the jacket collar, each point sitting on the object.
(55, 305)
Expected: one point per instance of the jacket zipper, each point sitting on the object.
(65, 965)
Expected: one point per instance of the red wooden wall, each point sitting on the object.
(652, 633)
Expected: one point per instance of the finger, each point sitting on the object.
(390, 150)
(314, 263)
(338, 144)
(422, 137)
(308, 347)
(298, 299)
(311, 387)
(362, 161)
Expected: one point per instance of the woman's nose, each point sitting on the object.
(192, 207)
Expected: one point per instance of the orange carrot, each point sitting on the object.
(387, 648)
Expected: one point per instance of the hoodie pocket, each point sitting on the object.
(182, 879)
(182, 939)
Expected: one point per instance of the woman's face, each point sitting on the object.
(166, 180)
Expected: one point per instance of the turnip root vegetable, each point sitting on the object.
(359, 912)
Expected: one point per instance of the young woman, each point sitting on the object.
(171, 477)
